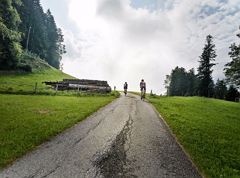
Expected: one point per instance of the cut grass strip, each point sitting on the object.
(27, 121)
(208, 129)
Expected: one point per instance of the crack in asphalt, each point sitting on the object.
(51, 171)
(113, 163)
(34, 174)
(39, 171)
(94, 127)
(90, 130)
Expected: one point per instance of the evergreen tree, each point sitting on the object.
(232, 94)
(206, 84)
(41, 35)
(24, 21)
(211, 89)
(191, 83)
(33, 27)
(220, 89)
(232, 70)
(181, 83)
(178, 85)
(55, 41)
(10, 48)
(61, 49)
(52, 53)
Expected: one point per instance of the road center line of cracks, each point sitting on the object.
(113, 161)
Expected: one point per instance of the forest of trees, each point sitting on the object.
(26, 29)
(186, 83)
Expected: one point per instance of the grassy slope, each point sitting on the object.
(26, 82)
(208, 129)
(27, 121)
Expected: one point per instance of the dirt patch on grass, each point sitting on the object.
(43, 111)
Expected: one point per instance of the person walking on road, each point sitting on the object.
(143, 89)
(125, 87)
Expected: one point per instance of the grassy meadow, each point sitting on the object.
(19, 82)
(208, 129)
(25, 82)
(27, 121)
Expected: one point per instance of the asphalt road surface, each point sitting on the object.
(124, 139)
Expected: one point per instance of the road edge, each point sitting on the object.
(177, 141)
(59, 134)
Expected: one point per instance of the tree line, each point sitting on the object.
(186, 83)
(26, 29)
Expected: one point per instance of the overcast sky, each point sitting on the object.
(127, 40)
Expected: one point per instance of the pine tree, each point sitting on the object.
(232, 93)
(206, 84)
(178, 85)
(10, 48)
(26, 14)
(60, 46)
(51, 30)
(55, 41)
(232, 70)
(33, 27)
(191, 83)
(220, 89)
(181, 83)
(40, 33)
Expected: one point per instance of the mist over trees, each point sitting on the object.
(186, 83)
(25, 27)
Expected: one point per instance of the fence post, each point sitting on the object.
(56, 89)
(35, 88)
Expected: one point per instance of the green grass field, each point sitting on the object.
(24, 83)
(17, 83)
(26, 121)
(209, 130)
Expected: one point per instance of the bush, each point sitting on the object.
(115, 93)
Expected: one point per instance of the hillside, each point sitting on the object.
(208, 129)
(18, 81)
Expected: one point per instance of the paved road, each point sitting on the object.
(125, 139)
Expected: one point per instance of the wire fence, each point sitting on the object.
(30, 88)
(40, 88)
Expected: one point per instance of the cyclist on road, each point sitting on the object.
(143, 89)
(125, 87)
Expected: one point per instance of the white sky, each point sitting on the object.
(127, 40)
